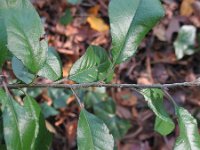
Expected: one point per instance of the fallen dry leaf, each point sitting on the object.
(50, 127)
(66, 68)
(159, 31)
(97, 24)
(186, 8)
(144, 80)
(123, 112)
(196, 7)
(173, 26)
(94, 10)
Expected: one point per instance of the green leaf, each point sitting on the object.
(93, 134)
(74, 2)
(92, 66)
(3, 99)
(184, 44)
(33, 92)
(24, 127)
(3, 42)
(42, 134)
(24, 30)
(67, 18)
(106, 111)
(21, 72)
(3, 147)
(48, 111)
(92, 98)
(105, 107)
(1, 129)
(163, 127)
(52, 68)
(154, 97)
(130, 21)
(59, 97)
(118, 127)
(189, 138)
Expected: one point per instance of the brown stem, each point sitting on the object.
(195, 83)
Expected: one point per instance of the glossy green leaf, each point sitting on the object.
(93, 134)
(130, 21)
(106, 110)
(189, 138)
(23, 126)
(184, 44)
(92, 66)
(154, 97)
(52, 68)
(74, 2)
(21, 72)
(66, 18)
(24, 32)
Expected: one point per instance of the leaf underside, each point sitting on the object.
(154, 97)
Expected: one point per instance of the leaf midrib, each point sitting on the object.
(52, 70)
(122, 48)
(186, 137)
(15, 118)
(89, 129)
(93, 67)
(35, 121)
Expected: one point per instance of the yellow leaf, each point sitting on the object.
(186, 8)
(97, 23)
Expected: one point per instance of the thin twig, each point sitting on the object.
(78, 99)
(97, 84)
(170, 98)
